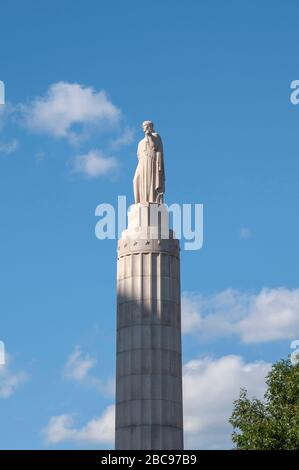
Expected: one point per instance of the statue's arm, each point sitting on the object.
(159, 144)
(160, 154)
(160, 167)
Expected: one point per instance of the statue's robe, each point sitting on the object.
(149, 179)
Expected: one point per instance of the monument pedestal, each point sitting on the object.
(149, 410)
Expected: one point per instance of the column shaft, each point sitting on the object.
(149, 412)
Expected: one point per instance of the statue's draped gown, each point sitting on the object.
(149, 176)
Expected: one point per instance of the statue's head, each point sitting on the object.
(148, 127)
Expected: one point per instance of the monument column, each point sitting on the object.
(149, 412)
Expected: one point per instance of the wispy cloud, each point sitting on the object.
(78, 365)
(7, 113)
(9, 147)
(98, 430)
(94, 164)
(10, 380)
(209, 388)
(78, 369)
(270, 315)
(125, 138)
(67, 109)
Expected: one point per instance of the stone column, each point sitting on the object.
(149, 410)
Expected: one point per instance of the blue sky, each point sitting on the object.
(215, 79)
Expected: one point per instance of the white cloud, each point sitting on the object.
(78, 365)
(213, 315)
(97, 431)
(191, 317)
(9, 147)
(94, 164)
(66, 105)
(10, 380)
(272, 314)
(78, 369)
(209, 388)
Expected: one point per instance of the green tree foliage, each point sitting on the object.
(274, 422)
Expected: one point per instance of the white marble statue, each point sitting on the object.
(149, 178)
